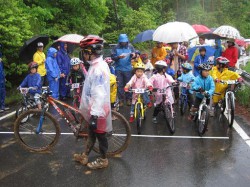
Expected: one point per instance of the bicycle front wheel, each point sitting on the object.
(119, 138)
(32, 139)
(139, 119)
(170, 121)
(203, 121)
(183, 104)
(230, 110)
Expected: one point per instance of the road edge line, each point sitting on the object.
(241, 132)
(7, 115)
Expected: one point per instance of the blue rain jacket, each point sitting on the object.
(187, 78)
(63, 60)
(218, 50)
(51, 65)
(32, 80)
(205, 83)
(123, 64)
(2, 75)
(199, 60)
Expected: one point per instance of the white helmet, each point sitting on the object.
(39, 44)
(161, 63)
(75, 61)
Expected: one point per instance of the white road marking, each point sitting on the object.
(241, 132)
(136, 135)
(7, 115)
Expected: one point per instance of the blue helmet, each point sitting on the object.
(186, 66)
(123, 38)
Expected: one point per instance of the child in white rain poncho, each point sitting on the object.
(95, 101)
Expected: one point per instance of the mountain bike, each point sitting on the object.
(183, 100)
(41, 131)
(202, 115)
(140, 108)
(76, 89)
(167, 108)
(228, 102)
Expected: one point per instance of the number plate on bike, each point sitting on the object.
(183, 84)
(139, 90)
(24, 90)
(161, 91)
(75, 85)
(231, 82)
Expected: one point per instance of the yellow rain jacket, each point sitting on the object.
(113, 88)
(39, 58)
(160, 53)
(224, 75)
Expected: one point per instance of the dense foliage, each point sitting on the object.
(22, 19)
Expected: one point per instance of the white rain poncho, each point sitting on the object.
(95, 98)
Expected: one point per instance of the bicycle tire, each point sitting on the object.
(138, 119)
(46, 133)
(170, 120)
(21, 109)
(117, 142)
(203, 122)
(183, 105)
(230, 112)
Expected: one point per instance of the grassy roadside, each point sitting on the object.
(12, 96)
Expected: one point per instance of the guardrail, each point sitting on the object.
(242, 61)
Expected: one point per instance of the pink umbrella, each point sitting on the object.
(240, 42)
(201, 29)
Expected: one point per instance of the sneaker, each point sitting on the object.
(82, 158)
(131, 119)
(128, 103)
(1, 110)
(154, 120)
(98, 163)
(6, 108)
(149, 105)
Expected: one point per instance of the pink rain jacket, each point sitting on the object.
(162, 81)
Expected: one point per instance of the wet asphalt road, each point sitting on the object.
(146, 162)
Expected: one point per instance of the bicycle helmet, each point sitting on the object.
(32, 65)
(92, 44)
(108, 60)
(204, 67)
(222, 60)
(139, 65)
(160, 65)
(186, 66)
(75, 61)
(210, 62)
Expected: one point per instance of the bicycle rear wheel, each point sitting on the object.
(183, 104)
(230, 111)
(26, 133)
(170, 121)
(119, 138)
(203, 121)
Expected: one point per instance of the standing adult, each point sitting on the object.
(218, 50)
(95, 101)
(53, 72)
(158, 53)
(122, 54)
(2, 85)
(63, 61)
(39, 57)
(196, 53)
(231, 53)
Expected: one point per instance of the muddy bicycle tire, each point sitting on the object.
(125, 132)
(46, 133)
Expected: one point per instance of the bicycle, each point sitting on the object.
(27, 102)
(228, 103)
(41, 131)
(167, 108)
(76, 92)
(140, 108)
(183, 100)
(202, 115)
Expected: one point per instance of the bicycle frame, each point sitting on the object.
(139, 102)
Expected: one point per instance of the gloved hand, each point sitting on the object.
(93, 122)
(150, 88)
(126, 89)
(206, 94)
(201, 90)
(240, 79)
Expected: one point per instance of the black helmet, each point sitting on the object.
(204, 67)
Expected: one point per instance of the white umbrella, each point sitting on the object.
(173, 32)
(70, 38)
(228, 32)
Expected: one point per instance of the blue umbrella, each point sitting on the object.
(209, 51)
(144, 36)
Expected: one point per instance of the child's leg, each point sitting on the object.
(38, 101)
(190, 99)
(132, 109)
(103, 144)
(91, 141)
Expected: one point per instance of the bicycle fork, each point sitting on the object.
(230, 93)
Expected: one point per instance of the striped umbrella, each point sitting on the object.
(71, 38)
(228, 32)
